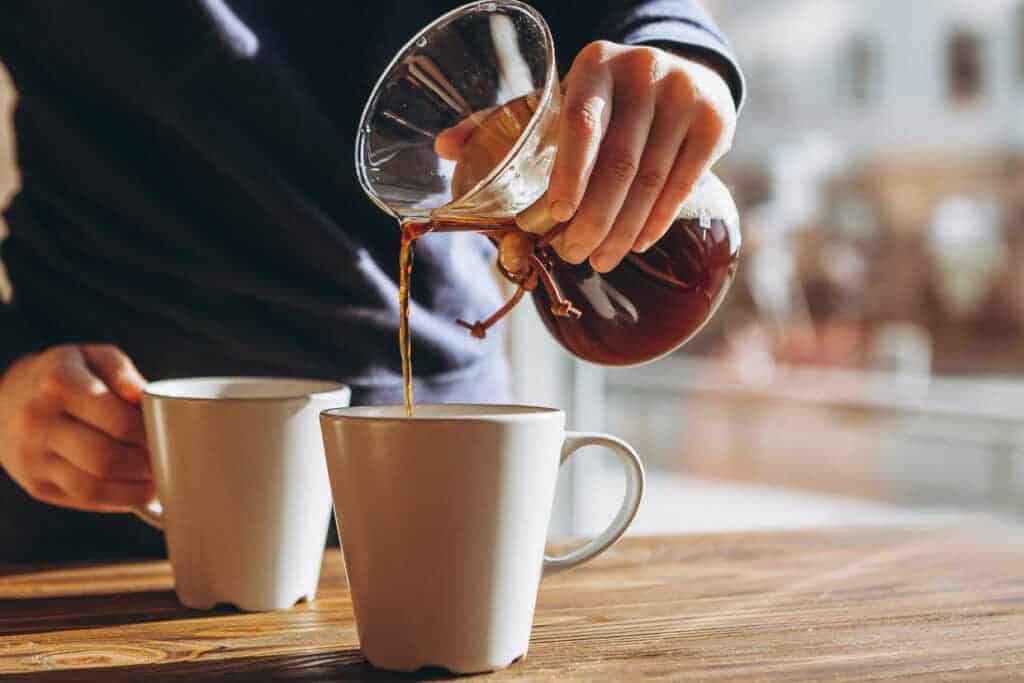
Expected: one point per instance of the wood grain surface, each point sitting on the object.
(836, 605)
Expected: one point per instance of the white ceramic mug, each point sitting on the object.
(242, 488)
(443, 519)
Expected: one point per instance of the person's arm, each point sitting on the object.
(71, 427)
(71, 431)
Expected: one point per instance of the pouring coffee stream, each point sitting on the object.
(517, 260)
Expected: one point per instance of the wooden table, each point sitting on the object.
(869, 604)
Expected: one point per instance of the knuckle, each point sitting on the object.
(59, 357)
(58, 354)
(623, 166)
(122, 361)
(649, 180)
(595, 52)
(707, 120)
(105, 349)
(704, 144)
(55, 384)
(112, 357)
(645, 65)
(680, 90)
(585, 116)
(122, 365)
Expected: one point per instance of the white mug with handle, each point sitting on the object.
(243, 493)
(443, 520)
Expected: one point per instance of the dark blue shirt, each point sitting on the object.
(196, 204)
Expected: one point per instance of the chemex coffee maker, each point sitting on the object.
(489, 68)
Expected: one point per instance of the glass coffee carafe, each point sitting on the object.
(485, 74)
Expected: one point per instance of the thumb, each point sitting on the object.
(449, 142)
(116, 370)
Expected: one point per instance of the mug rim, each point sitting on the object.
(315, 388)
(482, 412)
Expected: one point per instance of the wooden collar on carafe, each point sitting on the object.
(536, 220)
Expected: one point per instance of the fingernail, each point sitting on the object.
(641, 247)
(576, 253)
(130, 393)
(601, 262)
(561, 210)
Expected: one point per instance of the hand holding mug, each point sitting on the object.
(71, 429)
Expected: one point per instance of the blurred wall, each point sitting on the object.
(875, 74)
(8, 168)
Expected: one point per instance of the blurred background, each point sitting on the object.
(868, 364)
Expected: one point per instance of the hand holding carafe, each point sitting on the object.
(456, 137)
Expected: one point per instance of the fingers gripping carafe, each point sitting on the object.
(460, 134)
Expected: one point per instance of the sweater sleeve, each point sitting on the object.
(16, 336)
(683, 24)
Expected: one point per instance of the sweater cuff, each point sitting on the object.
(684, 35)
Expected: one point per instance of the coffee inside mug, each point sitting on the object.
(444, 411)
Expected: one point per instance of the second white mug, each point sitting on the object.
(243, 491)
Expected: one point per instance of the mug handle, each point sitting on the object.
(152, 514)
(630, 503)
